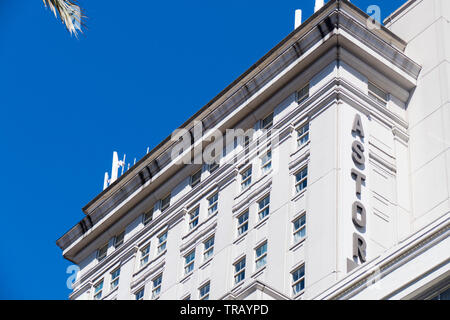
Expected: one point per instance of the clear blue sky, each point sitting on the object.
(138, 73)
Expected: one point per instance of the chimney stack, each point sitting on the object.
(319, 4)
(298, 18)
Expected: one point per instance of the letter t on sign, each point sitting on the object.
(359, 178)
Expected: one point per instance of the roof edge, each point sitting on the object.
(399, 11)
(212, 101)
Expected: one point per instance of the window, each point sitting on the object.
(98, 290)
(193, 218)
(187, 298)
(246, 178)
(261, 256)
(147, 217)
(195, 178)
(266, 162)
(213, 166)
(156, 287)
(204, 292)
(301, 180)
(239, 271)
(102, 252)
(209, 248)
(246, 145)
(139, 295)
(267, 122)
(298, 280)
(165, 203)
(162, 241)
(243, 223)
(444, 295)
(378, 94)
(189, 262)
(145, 252)
(303, 94)
(299, 228)
(212, 203)
(118, 240)
(115, 278)
(264, 208)
(303, 135)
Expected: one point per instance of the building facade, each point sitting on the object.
(337, 185)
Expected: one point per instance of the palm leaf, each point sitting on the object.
(69, 12)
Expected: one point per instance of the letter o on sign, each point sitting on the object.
(359, 214)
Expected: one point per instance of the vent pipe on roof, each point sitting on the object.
(298, 18)
(319, 4)
(116, 164)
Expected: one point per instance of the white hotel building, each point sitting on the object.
(348, 198)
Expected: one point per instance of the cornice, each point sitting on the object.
(243, 291)
(400, 11)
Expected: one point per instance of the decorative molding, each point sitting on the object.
(242, 291)
(396, 257)
(264, 187)
(147, 275)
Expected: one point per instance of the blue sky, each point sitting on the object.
(66, 104)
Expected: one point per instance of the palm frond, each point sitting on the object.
(69, 12)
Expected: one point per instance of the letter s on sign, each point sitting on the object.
(358, 153)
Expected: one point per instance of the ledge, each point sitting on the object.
(186, 277)
(206, 263)
(241, 237)
(295, 246)
(258, 272)
(262, 222)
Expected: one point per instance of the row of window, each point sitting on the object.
(246, 180)
(156, 291)
(301, 182)
(212, 209)
(115, 275)
(299, 232)
(145, 251)
(298, 275)
(302, 137)
(299, 228)
(114, 283)
(118, 241)
(297, 282)
(246, 175)
(189, 259)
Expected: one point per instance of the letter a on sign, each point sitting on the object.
(357, 126)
